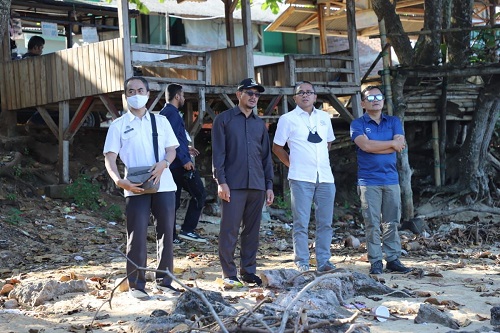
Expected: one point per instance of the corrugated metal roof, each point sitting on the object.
(208, 8)
(187, 8)
(303, 18)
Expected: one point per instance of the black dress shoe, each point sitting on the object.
(251, 278)
(397, 266)
(377, 267)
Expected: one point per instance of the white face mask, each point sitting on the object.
(137, 101)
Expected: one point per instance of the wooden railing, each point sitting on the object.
(423, 102)
(333, 70)
(212, 68)
(88, 70)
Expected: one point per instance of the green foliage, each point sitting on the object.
(14, 216)
(272, 5)
(18, 171)
(284, 202)
(281, 203)
(485, 45)
(113, 213)
(11, 196)
(85, 194)
(140, 6)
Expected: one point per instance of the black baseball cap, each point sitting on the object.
(250, 83)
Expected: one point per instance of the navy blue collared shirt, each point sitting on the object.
(182, 152)
(241, 151)
(376, 169)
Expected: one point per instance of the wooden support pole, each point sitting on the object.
(386, 78)
(322, 28)
(83, 111)
(357, 111)
(228, 18)
(63, 144)
(9, 117)
(48, 120)
(442, 129)
(247, 36)
(124, 25)
(435, 149)
(110, 106)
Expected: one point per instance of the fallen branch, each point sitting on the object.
(356, 326)
(473, 208)
(399, 292)
(306, 328)
(196, 292)
(251, 312)
(256, 307)
(336, 322)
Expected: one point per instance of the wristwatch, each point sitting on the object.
(168, 163)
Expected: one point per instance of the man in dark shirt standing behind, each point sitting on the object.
(242, 168)
(185, 174)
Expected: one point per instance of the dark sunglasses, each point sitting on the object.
(371, 98)
(251, 93)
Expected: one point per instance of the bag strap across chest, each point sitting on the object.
(155, 135)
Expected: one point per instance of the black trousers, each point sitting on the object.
(138, 210)
(191, 183)
(245, 210)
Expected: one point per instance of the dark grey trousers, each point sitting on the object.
(245, 210)
(138, 210)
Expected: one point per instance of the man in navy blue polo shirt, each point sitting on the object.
(378, 138)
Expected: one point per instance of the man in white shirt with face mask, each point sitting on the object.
(131, 137)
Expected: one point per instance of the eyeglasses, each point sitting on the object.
(251, 93)
(305, 93)
(371, 98)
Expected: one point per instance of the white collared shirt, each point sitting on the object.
(308, 160)
(132, 139)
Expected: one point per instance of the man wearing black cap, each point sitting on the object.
(242, 168)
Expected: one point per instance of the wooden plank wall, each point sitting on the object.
(321, 76)
(228, 66)
(174, 73)
(272, 75)
(64, 75)
(224, 68)
(423, 102)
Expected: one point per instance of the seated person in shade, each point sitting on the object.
(35, 47)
